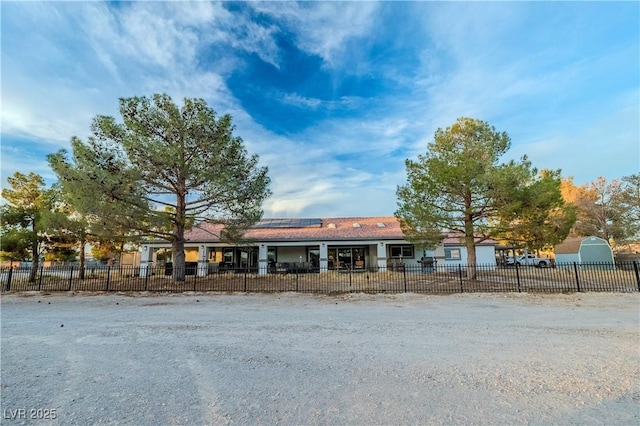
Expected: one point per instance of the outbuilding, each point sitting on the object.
(584, 250)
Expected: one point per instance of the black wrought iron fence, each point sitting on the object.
(569, 277)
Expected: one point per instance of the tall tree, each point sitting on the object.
(72, 229)
(604, 208)
(607, 210)
(14, 242)
(537, 216)
(161, 155)
(70, 232)
(630, 204)
(24, 219)
(459, 185)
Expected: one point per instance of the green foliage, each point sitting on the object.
(24, 220)
(61, 253)
(106, 250)
(536, 216)
(14, 243)
(161, 170)
(459, 185)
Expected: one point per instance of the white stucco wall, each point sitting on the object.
(485, 256)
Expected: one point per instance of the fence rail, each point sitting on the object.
(568, 277)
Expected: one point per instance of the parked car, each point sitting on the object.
(529, 260)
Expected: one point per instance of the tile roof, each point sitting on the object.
(330, 229)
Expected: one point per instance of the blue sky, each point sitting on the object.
(334, 96)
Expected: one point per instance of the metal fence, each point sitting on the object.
(569, 277)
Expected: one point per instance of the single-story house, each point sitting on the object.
(320, 244)
(584, 250)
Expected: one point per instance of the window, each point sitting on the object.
(272, 254)
(227, 255)
(452, 254)
(313, 254)
(401, 251)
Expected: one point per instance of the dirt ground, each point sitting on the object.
(294, 359)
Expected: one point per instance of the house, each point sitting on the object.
(320, 244)
(584, 250)
(453, 253)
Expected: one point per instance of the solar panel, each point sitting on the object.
(288, 223)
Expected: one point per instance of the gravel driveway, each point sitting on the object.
(288, 358)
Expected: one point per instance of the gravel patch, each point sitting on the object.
(292, 359)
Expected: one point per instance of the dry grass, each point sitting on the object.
(454, 281)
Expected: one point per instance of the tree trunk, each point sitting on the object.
(82, 244)
(471, 258)
(179, 270)
(469, 238)
(35, 261)
(179, 267)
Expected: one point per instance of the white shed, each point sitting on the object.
(584, 250)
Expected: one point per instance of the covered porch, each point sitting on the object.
(278, 257)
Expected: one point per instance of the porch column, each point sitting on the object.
(382, 255)
(203, 262)
(324, 257)
(146, 261)
(263, 260)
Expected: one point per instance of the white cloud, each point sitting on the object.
(136, 50)
(323, 28)
(84, 56)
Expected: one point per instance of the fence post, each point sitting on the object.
(10, 274)
(404, 276)
(297, 276)
(635, 269)
(517, 276)
(460, 276)
(108, 276)
(146, 277)
(71, 278)
(575, 270)
(40, 279)
(245, 280)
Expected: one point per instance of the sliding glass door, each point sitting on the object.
(347, 257)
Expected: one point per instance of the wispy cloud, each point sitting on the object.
(326, 29)
(344, 91)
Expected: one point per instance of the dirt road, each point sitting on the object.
(288, 358)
